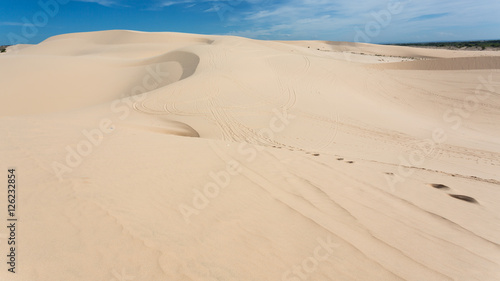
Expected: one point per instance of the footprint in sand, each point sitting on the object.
(456, 196)
(464, 198)
(439, 186)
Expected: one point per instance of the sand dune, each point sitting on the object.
(165, 156)
(470, 63)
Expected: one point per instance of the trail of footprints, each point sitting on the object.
(435, 185)
(338, 159)
(456, 196)
(310, 153)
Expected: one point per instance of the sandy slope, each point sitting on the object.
(163, 156)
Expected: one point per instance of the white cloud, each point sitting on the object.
(337, 19)
(106, 3)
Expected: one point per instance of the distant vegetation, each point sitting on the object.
(469, 45)
(3, 48)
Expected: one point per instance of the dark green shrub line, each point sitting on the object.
(458, 45)
(3, 48)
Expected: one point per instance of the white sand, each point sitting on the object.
(245, 120)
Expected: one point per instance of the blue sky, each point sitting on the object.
(375, 21)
